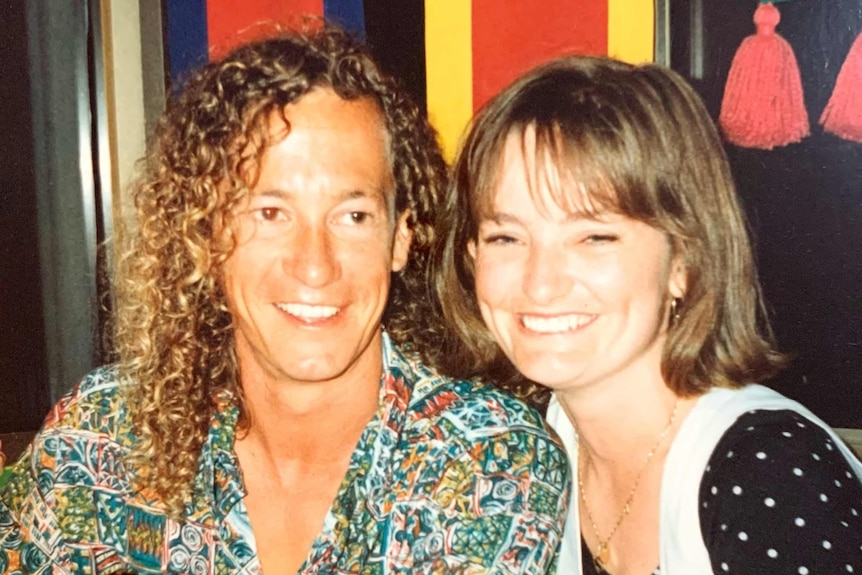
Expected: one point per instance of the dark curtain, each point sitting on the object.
(804, 201)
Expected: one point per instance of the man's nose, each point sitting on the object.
(313, 260)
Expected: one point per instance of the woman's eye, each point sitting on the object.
(499, 239)
(601, 238)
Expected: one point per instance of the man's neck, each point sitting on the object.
(295, 456)
(298, 421)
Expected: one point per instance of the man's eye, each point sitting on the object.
(269, 214)
(359, 217)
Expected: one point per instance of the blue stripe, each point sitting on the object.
(349, 14)
(187, 46)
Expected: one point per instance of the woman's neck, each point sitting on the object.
(615, 422)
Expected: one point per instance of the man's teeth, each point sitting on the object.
(308, 311)
(556, 324)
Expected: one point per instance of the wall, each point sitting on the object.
(23, 387)
(804, 200)
(451, 54)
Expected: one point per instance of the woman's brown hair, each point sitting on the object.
(633, 140)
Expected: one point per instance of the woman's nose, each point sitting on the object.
(546, 276)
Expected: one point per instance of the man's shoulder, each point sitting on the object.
(81, 444)
(470, 432)
(96, 405)
(479, 406)
(469, 408)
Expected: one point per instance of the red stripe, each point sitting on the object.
(511, 37)
(230, 22)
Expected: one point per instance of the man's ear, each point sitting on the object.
(401, 242)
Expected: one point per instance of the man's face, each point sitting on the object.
(317, 239)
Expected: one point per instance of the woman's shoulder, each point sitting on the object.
(777, 482)
(762, 438)
(727, 421)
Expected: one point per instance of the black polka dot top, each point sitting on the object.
(778, 497)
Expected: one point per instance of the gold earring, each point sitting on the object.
(675, 305)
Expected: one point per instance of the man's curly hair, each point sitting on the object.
(174, 333)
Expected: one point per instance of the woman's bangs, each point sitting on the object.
(568, 172)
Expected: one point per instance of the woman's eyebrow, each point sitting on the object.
(500, 218)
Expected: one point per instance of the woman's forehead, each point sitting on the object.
(553, 175)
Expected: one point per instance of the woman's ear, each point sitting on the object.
(678, 280)
(471, 248)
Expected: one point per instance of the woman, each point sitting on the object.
(593, 225)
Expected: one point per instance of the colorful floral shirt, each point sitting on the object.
(448, 477)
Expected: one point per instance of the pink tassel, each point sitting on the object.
(763, 105)
(843, 114)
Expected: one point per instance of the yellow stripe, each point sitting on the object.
(449, 68)
(631, 30)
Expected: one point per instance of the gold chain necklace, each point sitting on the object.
(603, 552)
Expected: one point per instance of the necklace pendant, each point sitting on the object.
(602, 558)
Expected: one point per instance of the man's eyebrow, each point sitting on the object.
(271, 193)
(358, 193)
(347, 194)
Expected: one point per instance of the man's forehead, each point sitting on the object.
(322, 139)
(315, 110)
(320, 107)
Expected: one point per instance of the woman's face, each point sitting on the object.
(572, 301)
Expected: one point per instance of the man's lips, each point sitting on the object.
(308, 312)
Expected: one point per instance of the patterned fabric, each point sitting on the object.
(448, 477)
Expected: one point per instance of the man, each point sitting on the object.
(259, 419)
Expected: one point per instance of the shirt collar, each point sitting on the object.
(218, 484)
